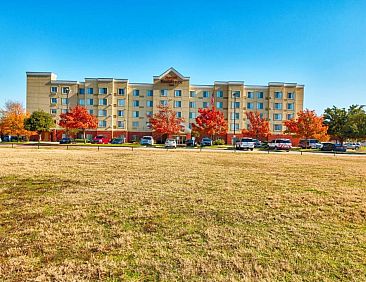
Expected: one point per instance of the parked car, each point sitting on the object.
(118, 140)
(329, 147)
(0, 140)
(191, 143)
(310, 144)
(353, 146)
(100, 139)
(206, 141)
(170, 143)
(67, 140)
(257, 143)
(147, 140)
(245, 143)
(280, 144)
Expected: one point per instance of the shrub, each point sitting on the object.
(219, 142)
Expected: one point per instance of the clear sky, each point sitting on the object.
(321, 44)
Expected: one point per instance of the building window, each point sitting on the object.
(102, 102)
(103, 90)
(121, 91)
(54, 89)
(192, 94)
(260, 95)
(235, 116)
(192, 115)
(149, 93)
(178, 93)
(135, 124)
(149, 114)
(261, 115)
(102, 123)
(277, 127)
(192, 104)
(91, 112)
(53, 111)
(81, 102)
(236, 126)
(90, 91)
(120, 124)
(278, 106)
(148, 124)
(136, 92)
(177, 104)
(164, 92)
(250, 106)
(220, 94)
(65, 90)
(136, 103)
(82, 91)
(219, 105)
(53, 100)
(250, 95)
(290, 116)
(64, 111)
(236, 94)
(149, 103)
(278, 95)
(260, 106)
(277, 116)
(235, 105)
(291, 95)
(290, 106)
(178, 114)
(64, 101)
(205, 104)
(121, 102)
(164, 102)
(121, 113)
(206, 94)
(102, 113)
(90, 102)
(135, 114)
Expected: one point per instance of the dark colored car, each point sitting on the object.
(206, 142)
(100, 139)
(67, 140)
(329, 147)
(191, 143)
(118, 140)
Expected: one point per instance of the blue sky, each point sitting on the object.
(321, 44)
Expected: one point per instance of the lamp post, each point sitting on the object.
(234, 136)
(68, 91)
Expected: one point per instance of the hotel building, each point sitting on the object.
(123, 107)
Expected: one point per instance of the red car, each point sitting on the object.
(100, 139)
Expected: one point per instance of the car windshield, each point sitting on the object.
(99, 136)
(247, 140)
(146, 138)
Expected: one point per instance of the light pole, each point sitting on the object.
(68, 91)
(234, 137)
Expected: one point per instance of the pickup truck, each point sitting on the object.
(245, 143)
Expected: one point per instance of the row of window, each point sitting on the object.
(276, 127)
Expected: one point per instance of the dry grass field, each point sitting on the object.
(118, 215)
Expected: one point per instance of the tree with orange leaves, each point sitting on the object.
(165, 122)
(210, 122)
(258, 127)
(78, 118)
(12, 120)
(307, 125)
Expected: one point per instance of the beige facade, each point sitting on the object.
(124, 106)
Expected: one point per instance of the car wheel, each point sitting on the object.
(251, 149)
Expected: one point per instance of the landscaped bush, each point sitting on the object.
(82, 141)
(219, 142)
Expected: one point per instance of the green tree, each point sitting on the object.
(39, 121)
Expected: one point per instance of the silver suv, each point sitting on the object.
(147, 140)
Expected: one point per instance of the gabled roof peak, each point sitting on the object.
(172, 70)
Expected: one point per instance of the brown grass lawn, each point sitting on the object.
(117, 215)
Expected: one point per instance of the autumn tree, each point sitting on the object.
(12, 120)
(307, 125)
(39, 121)
(78, 118)
(165, 122)
(258, 127)
(210, 122)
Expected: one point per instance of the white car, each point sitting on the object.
(171, 143)
(280, 144)
(147, 140)
(245, 143)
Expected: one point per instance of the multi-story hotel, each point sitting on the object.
(123, 107)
